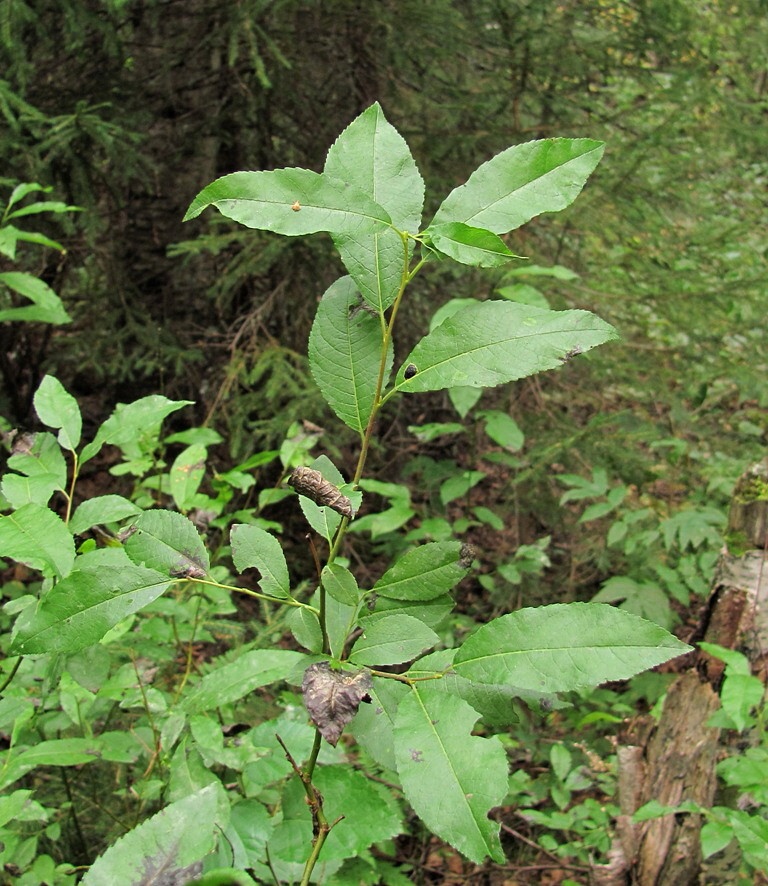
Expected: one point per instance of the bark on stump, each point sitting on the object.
(674, 760)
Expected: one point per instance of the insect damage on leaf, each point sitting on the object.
(315, 487)
(333, 697)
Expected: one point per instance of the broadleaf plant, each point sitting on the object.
(363, 668)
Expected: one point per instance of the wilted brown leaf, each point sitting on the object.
(333, 697)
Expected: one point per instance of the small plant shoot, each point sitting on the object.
(288, 805)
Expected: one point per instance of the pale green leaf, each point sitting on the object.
(41, 471)
(392, 639)
(291, 202)
(521, 183)
(494, 342)
(468, 245)
(37, 537)
(131, 424)
(564, 647)
(164, 848)
(102, 509)
(253, 547)
(57, 408)
(169, 543)
(79, 610)
(345, 348)
(503, 429)
(371, 155)
(232, 681)
(451, 778)
(187, 472)
(54, 752)
(424, 573)
(46, 306)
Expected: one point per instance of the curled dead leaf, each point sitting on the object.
(333, 697)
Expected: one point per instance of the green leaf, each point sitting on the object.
(392, 639)
(79, 610)
(494, 342)
(305, 627)
(253, 547)
(187, 472)
(291, 202)
(752, 833)
(368, 810)
(132, 424)
(522, 182)
(345, 352)
(371, 155)
(468, 245)
(563, 647)
(503, 429)
(450, 777)
(642, 598)
(163, 848)
(37, 537)
(456, 487)
(57, 408)
(340, 584)
(102, 509)
(432, 612)
(44, 471)
(324, 520)
(424, 573)
(232, 681)
(169, 543)
(46, 306)
(374, 723)
(715, 835)
(54, 752)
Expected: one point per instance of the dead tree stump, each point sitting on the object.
(674, 760)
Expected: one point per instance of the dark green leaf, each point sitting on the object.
(424, 573)
(345, 348)
(79, 610)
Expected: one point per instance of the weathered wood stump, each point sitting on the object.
(674, 760)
